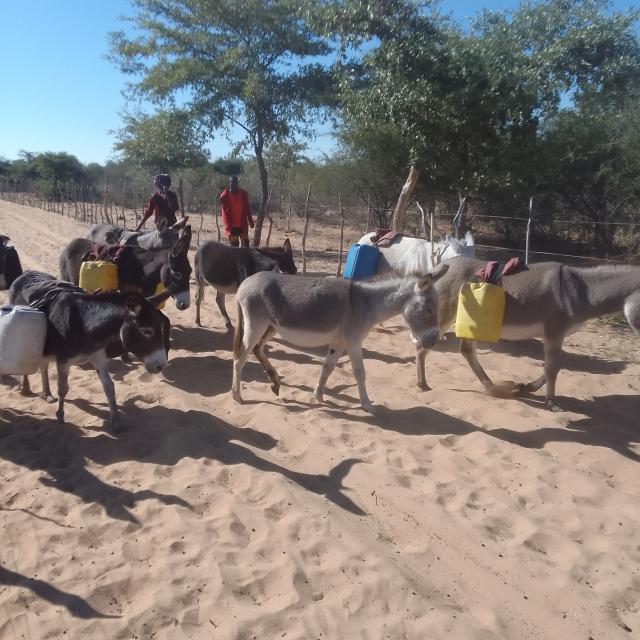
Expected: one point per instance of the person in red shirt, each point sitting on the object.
(163, 203)
(236, 213)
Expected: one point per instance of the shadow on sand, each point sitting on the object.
(534, 349)
(157, 435)
(75, 605)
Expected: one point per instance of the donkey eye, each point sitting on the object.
(146, 332)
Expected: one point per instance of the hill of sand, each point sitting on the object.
(448, 515)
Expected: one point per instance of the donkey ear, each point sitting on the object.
(183, 243)
(134, 304)
(158, 298)
(287, 246)
(178, 225)
(426, 282)
(440, 270)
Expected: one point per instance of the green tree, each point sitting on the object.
(253, 65)
(164, 142)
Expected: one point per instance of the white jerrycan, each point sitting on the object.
(22, 334)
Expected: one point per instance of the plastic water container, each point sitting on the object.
(98, 274)
(480, 312)
(159, 289)
(362, 261)
(22, 334)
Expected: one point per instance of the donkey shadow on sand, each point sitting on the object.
(62, 452)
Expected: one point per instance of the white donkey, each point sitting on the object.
(414, 256)
(331, 312)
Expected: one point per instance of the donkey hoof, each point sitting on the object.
(116, 427)
(369, 408)
(237, 397)
(553, 406)
(60, 416)
(275, 387)
(49, 399)
(317, 399)
(423, 386)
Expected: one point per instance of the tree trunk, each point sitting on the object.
(403, 200)
(264, 188)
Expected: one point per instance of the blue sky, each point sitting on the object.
(60, 94)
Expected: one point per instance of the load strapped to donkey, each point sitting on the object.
(481, 305)
(99, 270)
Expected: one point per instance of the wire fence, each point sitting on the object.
(496, 236)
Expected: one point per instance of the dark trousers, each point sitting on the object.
(235, 241)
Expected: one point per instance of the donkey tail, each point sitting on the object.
(239, 333)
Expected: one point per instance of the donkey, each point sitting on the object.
(163, 238)
(414, 256)
(139, 269)
(225, 267)
(80, 327)
(331, 312)
(548, 300)
(10, 267)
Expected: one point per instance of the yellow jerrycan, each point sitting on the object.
(159, 289)
(98, 274)
(480, 311)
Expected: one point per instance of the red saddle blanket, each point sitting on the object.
(494, 271)
(384, 237)
(105, 252)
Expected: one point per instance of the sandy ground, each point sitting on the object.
(449, 515)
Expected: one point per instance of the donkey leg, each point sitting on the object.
(552, 353)
(223, 310)
(63, 388)
(246, 338)
(100, 363)
(25, 387)
(468, 351)
(328, 366)
(199, 298)
(421, 375)
(46, 387)
(261, 357)
(355, 355)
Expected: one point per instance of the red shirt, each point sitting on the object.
(236, 211)
(162, 208)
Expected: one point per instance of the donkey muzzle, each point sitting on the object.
(156, 362)
(183, 300)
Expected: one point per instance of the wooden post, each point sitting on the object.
(458, 219)
(181, 196)
(403, 200)
(339, 270)
(304, 232)
(289, 212)
(217, 218)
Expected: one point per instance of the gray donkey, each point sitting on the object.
(331, 312)
(162, 238)
(547, 300)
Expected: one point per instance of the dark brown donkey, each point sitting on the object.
(225, 268)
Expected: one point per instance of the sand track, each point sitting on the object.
(449, 515)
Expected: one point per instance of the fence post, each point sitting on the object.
(526, 248)
(304, 232)
(339, 270)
